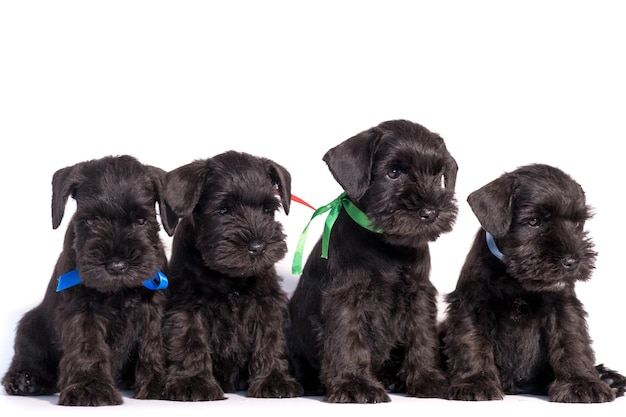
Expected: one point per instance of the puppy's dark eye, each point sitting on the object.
(91, 221)
(140, 222)
(534, 222)
(267, 210)
(394, 173)
(222, 211)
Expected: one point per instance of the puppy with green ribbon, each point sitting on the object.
(363, 315)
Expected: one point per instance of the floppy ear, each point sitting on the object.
(64, 183)
(169, 219)
(282, 179)
(493, 205)
(351, 161)
(450, 172)
(183, 187)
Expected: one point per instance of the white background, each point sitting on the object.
(504, 83)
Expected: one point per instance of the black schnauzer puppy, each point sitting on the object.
(514, 323)
(364, 315)
(225, 326)
(99, 324)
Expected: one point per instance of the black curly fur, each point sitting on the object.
(515, 325)
(364, 320)
(224, 327)
(88, 341)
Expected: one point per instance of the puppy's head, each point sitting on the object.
(115, 229)
(537, 215)
(231, 199)
(402, 176)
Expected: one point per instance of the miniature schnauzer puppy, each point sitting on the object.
(514, 324)
(99, 324)
(225, 326)
(364, 313)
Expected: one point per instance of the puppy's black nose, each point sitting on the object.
(117, 267)
(569, 262)
(428, 215)
(256, 247)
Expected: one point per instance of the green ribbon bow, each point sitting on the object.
(335, 208)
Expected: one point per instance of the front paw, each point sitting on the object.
(27, 383)
(475, 389)
(431, 385)
(356, 390)
(149, 390)
(275, 386)
(581, 390)
(614, 379)
(90, 393)
(193, 389)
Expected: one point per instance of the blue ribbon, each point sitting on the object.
(158, 282)
(493, 248)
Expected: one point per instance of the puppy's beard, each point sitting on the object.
(537, 263)
(543, 286)
(545, 276)
(236, 261)
(405, 228)
(100, 279)
(141, 263)
(399, 216)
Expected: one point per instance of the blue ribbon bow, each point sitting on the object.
(158, 282)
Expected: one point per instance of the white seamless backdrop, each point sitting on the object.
(504, 83)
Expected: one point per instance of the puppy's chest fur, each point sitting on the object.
(122, 316)
(233, 307)
(518, 323)
(387, 298)
(517, 319)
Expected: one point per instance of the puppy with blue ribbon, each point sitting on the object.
(98, 329)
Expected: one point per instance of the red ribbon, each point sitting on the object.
(301, 201)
